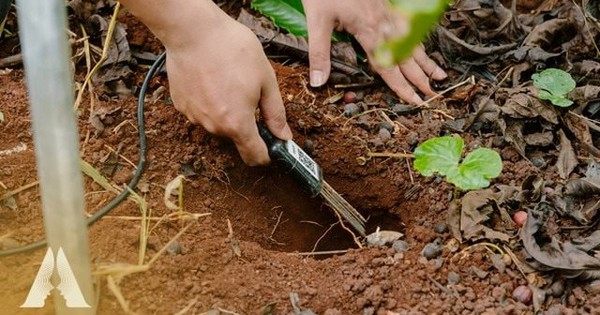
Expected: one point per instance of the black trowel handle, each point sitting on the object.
(293, 159)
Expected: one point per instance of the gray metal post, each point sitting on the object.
(46, 56)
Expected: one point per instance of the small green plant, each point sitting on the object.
(554, 85)
(442, 155)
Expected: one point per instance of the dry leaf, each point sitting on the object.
(172, 189)
(567, 159)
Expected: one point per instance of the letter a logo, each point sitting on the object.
(42, 286)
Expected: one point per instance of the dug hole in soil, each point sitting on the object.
(265, 246)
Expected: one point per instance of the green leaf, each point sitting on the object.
(438, 155)
(555, 81)
(421, 15)
(442, 155)
(477, 169)
(288, 14)
(556, 100)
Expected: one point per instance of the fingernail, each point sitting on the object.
(417, 99)
(440, 73)
(317, 78)
(287, 132)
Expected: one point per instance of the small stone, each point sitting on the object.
(384, 135)
(349, 97)
(309, 147)
(441, 228)
(386, 125)
(174, 248)
(400, 246)
(432, 250)
(557, 288)
(402, 109)
(453, 277)
(538, 162)
(383, 237)
(522, 294)
(332, 311)
(351, 109)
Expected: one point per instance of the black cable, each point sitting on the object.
(136, 176)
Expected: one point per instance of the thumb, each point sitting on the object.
(319, 48)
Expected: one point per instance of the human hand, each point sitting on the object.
(370, 22)
(218, 72)
(220, 81)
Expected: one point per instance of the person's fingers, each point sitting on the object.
(396, 81)
(320, 29)
(428, 65)
(250, 145)
(273, 111)
(415, 75)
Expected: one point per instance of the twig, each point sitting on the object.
(187, 216)
(354, 85)
(590, 122)
(439, 285)
(483, 102)
(323, 235)
(391, 155)
(356, 241)
(456, 86)
(18, 190)
(105, 49)
(515, 260)
(277, 223)
(327, 252)
(162, 250)
(121, 156)
(11, 61)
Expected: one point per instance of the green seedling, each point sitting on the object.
(420, 16)
(442, 155)
(554, 85)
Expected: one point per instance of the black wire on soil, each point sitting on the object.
(136, 176)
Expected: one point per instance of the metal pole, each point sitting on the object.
(49, 80)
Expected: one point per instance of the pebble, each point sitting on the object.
(384, 135)
(432, 250)
(522, 294)
(349, 97)
(453, 277)
(386, 125)
(351, 109)
(557, 288)
(441, 228)
(309, 147)
(538, 162)
(174, 248)
(400, 246)
(383, 237)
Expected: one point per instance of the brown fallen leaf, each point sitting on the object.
(567, 159)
